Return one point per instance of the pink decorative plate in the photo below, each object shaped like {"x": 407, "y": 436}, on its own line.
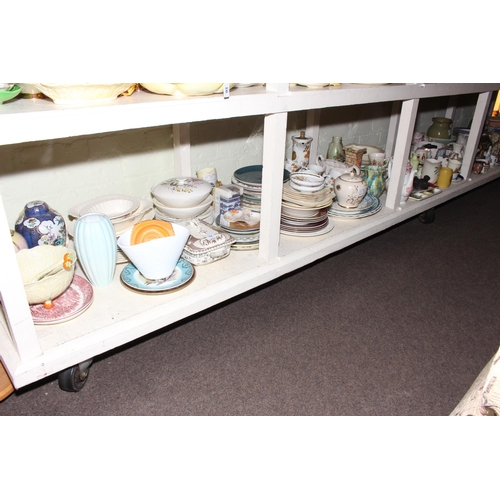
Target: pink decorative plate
{"x": 75, "y": 300}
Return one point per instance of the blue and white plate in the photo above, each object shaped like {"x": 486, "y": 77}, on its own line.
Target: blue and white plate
{"x": 182, "y": 275}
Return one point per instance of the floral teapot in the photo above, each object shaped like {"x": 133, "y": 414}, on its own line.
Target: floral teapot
{"x": 350, "y": 188}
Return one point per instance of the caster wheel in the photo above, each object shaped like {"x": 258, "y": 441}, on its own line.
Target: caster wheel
{"x": 427, "y": 217}
{"x": 74, "y": 378}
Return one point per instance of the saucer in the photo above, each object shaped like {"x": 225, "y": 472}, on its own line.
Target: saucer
{"x": 182, "y": 275}
{"x": 71, "y": 303}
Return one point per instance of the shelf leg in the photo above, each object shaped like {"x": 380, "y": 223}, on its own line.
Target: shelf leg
{"x": 476, "y": 129}
{"x": 13, "y": 297}
{"x": 401, "y": 152}
{"x": 272, "y": 184}
{"x": 182, "y": 150}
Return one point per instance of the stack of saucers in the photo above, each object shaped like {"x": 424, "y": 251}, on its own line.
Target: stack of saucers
{"x": 305, "y": 203}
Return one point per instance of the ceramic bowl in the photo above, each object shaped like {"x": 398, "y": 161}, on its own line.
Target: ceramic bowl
{"x": 181, "y": 192}
{"x": 113, "y": 206}
{"x": 198, "y": 88}
{"x": 37, "y": 259}
{"x": 307, "y": 178}
{"x": 9, "y": 92}
{"x": 161, "y": 88}
{"x": 82, "y": 93}
{"x": 184, "y": 213}
{"x": 155, "y": 259}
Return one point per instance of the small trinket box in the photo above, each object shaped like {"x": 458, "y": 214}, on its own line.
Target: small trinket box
{"x": 206, "y": 243}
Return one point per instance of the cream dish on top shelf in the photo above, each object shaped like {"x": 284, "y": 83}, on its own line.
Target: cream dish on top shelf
{"x": 82, "y": 93}
{"x": 186, "y": 89}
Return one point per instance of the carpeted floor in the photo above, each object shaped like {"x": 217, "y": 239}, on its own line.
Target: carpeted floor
{"x": 399, "y": 324}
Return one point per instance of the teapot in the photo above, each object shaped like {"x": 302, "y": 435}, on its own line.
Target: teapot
{"x": 350, "y": 188}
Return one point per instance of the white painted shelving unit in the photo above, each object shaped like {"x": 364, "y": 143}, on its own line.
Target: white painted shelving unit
{"x": 117, "y": 315}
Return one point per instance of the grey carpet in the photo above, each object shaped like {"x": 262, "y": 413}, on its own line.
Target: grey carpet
{"x": 399, "y": 324}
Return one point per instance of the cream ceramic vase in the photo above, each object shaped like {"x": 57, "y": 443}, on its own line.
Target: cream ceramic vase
{"x": 350, "y": 189}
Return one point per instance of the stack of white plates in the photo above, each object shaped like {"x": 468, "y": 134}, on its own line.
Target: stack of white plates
{"x": 123, "y": 211}
{"x": 305, "y": 213}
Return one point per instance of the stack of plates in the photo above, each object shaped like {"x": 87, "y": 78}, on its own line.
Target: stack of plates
{"x": 250, "y": 179}
{"x": 369, "y": 205}
{"x": 305, "y": 213}
{"x": 245, "y": 238}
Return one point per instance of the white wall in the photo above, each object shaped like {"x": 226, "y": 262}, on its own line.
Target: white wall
{"x": 67, "y": 172}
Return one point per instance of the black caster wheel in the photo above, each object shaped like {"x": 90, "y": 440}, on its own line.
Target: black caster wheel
{"x": 427, "y": 217}
{"x": 74, "y": 378}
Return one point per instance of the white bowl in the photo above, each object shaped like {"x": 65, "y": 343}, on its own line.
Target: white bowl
{"x": 113, "y": 206}
{"x": 82, "y": 93}
{"x": 184, "y": 213}
{"x": 181, "y": 192}
{"x": 307, "y": 178}
{"x": 155, "y": 259}
{"x": 34, "y": 260}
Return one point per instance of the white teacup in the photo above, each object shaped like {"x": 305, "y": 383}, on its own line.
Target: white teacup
{"x": 377, "y": 159}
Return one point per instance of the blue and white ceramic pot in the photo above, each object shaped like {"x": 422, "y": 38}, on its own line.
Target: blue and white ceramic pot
{"x": 41, "y": 225}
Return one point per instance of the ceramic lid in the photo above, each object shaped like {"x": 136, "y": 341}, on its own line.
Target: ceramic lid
{"x": 352, "y": 176}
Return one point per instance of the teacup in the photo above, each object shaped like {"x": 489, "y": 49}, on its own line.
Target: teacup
{"x": 377, "y": 159}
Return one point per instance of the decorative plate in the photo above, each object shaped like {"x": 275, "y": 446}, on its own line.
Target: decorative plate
{"x": 182, "y": 275}
{"x": 71, "y": 303}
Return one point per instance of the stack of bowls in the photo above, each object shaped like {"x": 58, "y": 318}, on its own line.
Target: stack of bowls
{"x": 183, "y": 198}
{"x": 123, "y": 211}
{"x": 307, "y": 181}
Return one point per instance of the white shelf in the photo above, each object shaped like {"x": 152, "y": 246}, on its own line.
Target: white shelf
{"x": 26, "y": 120}
{"x": 119, "y": 315}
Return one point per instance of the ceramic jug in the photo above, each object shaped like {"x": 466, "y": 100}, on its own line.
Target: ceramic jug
{"x": 376, "y": 178}
{"x": 350, "y": 189}
{"x": 301, "y": 150}
{"x": 407, "y": 183}
{"x": 431, "y": 168}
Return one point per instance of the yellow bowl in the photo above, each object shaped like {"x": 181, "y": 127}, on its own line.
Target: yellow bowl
{"x": 33, "y": 261}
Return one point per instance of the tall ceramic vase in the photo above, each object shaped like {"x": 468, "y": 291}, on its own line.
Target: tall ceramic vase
{"x": 96, "y": 247}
